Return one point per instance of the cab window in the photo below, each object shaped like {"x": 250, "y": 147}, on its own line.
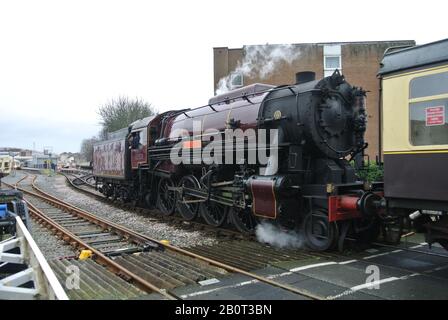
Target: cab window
{"x": 138, "y": 139}
{"x": 429, "y": 116}
{"x": 144, "y": 136}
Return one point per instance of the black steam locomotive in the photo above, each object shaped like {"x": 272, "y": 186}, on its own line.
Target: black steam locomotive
{"x": 199, "y": 162}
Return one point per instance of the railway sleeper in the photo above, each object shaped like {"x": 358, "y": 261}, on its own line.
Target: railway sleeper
{"x": 237, "y": 255}
{"x": 145, "y": 274}
{"x": 85, "y": 235}
{"x": 67, "y": 218}
{"x": 103, "y": 239}
{"x": 75, "y": 224}
{"x": 96, "y": 281}
{"x": 182, "y": 262}
{"x": 177, "y": 278}
{"x": 245, "y": 265}
{"x": 121, "y": 251}
{"x": 172, "y": 269}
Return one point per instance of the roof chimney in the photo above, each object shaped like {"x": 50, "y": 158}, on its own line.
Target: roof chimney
{"x": 305, "y": 76}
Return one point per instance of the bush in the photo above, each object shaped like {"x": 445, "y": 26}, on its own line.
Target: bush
{"x": 371, "y": 172}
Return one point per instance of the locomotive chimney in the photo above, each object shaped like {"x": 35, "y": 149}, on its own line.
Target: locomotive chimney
{"x": 305, "y": 76}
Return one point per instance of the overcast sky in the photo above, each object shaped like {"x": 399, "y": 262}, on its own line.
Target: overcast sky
{"x": 60, "y": 60}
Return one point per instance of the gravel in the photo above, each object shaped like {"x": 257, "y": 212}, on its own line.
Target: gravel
{"x": 50, "y": 246}
{"x": 56, "y": 185}
{"x": 12, "y": 178}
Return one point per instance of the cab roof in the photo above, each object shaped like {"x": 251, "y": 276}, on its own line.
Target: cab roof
{"x": 413, "y": 57}
{"x": 141, "y": 123}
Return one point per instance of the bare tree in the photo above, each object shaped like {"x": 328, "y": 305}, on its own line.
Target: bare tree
{"x": 116, "y": 114}
{"x": 119, "y": 113}
{"x": 87, "y": 148}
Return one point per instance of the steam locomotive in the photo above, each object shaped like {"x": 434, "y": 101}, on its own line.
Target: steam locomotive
{"x": 199, "y": 163}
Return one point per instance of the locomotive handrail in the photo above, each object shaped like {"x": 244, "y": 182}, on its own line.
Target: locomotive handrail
{"x": 245, "y": 97}
{"x": 211, "y": 107}
{"x": 289, "y": 87}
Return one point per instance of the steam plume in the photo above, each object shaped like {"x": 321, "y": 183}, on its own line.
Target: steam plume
{"x": 260, "y": 61}
{"x": 277, "y": 237}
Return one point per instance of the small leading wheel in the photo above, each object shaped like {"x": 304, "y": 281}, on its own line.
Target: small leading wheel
{"x": 188, "y": 206}
{"x": 166, "y": 198}
{"x": 320, "y": 234}
{"x": 215, "y": 214}
{"x": 243, "y": 220}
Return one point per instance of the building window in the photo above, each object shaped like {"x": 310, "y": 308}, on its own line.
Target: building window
{"x": 428, "y": 111}
{"x": 332, "y": 59}
{"x": 236, "y": 80}
{"x": 332, "y": 62}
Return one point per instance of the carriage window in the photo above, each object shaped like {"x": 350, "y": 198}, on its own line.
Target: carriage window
{"x": 431, "y": 85}
{"x": 429, "y": 124}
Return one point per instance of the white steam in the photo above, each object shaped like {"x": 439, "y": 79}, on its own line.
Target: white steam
{"x": 260, "y": 61}
{"x": 277, "y": 237}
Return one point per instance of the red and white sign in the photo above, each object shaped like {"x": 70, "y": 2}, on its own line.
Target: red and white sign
{"x": 435, "y": 116}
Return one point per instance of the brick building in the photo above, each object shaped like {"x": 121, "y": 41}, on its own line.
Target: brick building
{"x": 358, "y": 61}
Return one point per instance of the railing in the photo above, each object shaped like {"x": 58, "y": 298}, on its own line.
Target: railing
{"x": 41, "y": 282}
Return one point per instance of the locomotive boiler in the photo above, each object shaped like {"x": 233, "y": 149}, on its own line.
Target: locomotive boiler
{"x": 255, "y": 154}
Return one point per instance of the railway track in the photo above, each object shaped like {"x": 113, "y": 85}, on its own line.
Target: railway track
{"x": 247, "y": 255}
{"x": 236, "y": 252}
{"x": 151, "y": 265}
{"x": 218, "y": 232}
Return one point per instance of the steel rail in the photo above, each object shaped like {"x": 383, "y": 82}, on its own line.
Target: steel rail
{"x": 157, "y": 214}
{"x": 102, "y": 259}
{"x": 224, "y": 266}
{"x": 233, "y": 269}
{"x": 227, "y": 267}
{"x": 119, "y": 229}
{"x": 98, "y": 255}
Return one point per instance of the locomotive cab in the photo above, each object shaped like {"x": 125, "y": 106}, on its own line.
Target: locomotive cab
{"x": 138, "y": 142}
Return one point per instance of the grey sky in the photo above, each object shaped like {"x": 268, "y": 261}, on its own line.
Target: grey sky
{"x": 60, "y": 60}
